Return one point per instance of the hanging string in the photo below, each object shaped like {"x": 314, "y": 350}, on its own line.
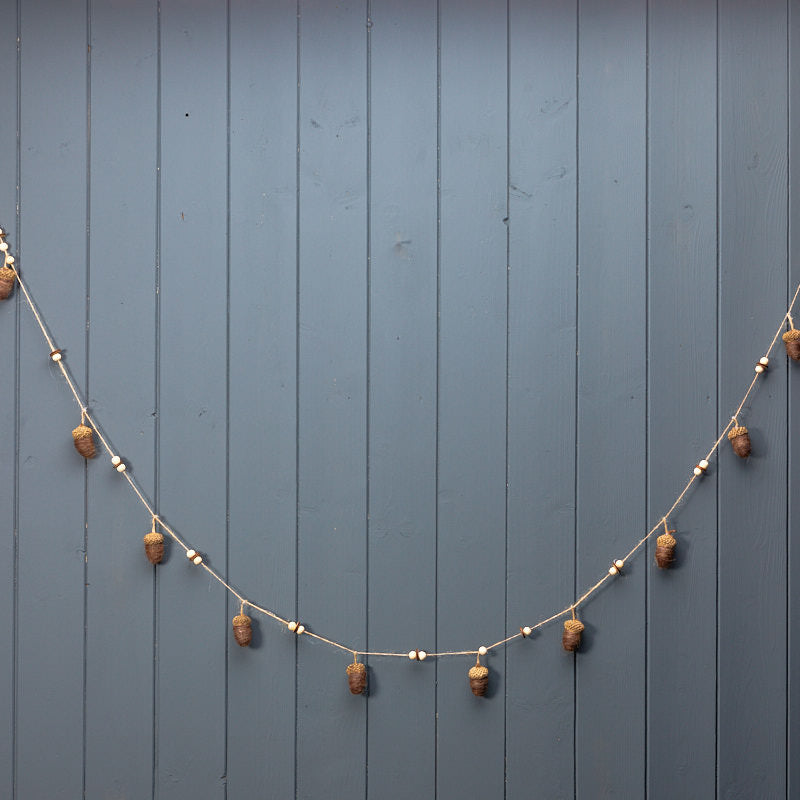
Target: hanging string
{"x": 570, "y": 609}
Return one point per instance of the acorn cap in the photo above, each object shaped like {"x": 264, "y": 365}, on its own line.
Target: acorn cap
{"x": 737, "y": 430}
{"x": 478, "y": 671}
{"x": 154, "y": 537}
{"x": 666, "y": 540}
{"x": 573, "y": 625}
{"x": 792, "y": 335}
{"x": 81, "y": 432}
{"x": 240, "y": 620}
{"x": 356, "y": 668}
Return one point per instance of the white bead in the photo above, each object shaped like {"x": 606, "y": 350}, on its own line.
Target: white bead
{"x": 412, "y": 654}
{"x": 612, "y": 570}
{"x": 190, "y": 554}
{"x": 759, "y": 368}
{"x": 703, "y": 464}
{"x": 619, "y": 563}
{"x": 764, "y": 361}
{"x": 115, "y": 460}
{"x": 527, "y": 631}
{"x": 121, "y": 468}
{"x": 292, "y": 626}
{"x": 422, "y": 655}
{"x": 56, "y": 356}
{"x": 10, "y": 260}
{"x": 197, "y": 561}
{"x": 1, "y": 231}
{"x": 300, "y": 629}
{"x": 697, "y": 471}
{"x": 3, "y": 246}
{"x": 482, "y": 651}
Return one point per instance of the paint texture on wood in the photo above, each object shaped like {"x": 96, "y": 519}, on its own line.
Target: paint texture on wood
{"x": 410, "y": 318}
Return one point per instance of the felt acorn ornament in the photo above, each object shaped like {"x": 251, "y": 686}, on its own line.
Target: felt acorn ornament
{"x": 571, "y": 638}
{"x": 7, "y": 278}
{"x": 665, "y": 548}
{"x": 83, "y": 439}
{"x": 478, "y": 678}
{"x": 357, "y": 677}
{"x": 740, "y": 440}
{"x": 791, "y": 340}
{"x": 154, "y": 546}
{"x": 242, "y": 629}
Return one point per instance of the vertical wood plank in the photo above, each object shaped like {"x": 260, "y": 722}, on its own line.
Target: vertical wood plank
{"x": 471, "y": 557}
{"x": 263, "y": 289}
{"x": 332, "y": 384}
{"x": 611, "y": 396}
{"x": 119, "y": 673}
{"x": 793, "y": 487}
{"x": 402, "y": 401}
{"x": 193, "y": 624}
{"x": 682, "y": 395}
{"x": 51, "y": 531}
{"x": 752, "y": 493}
{"x": 9, "y": 466}
{"x": 541, "y": 435}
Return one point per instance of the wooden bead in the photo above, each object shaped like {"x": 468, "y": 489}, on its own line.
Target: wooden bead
{"x": 242, "y": 630}
{"x": 82, "y": 438}
{"x": 154, "y": 547}
{"x": 357, "y": 678}
{"x": 478, "y": 679}
{"x": 740, "y": 441}
{"x": 571, "y": 637}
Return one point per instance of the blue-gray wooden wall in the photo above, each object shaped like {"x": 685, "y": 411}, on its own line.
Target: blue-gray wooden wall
{"x": 410, "y": 316}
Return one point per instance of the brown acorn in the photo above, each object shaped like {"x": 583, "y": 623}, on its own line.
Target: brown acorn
{"x": 154, "y": 547}
{"x": 665, "y": 550}
{"x": 242, "y": 630}
{"x": 7, "y": 279}
{"x": 571, "y": 638}
{"x": 478, "y": 679}
{"x": 83, "y": 441}
{"x": 740, "y": 440}
{"x": 792, "y": 341}
{"x": 357, "y": 677}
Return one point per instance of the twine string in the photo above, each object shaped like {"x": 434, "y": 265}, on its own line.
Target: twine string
{"x": 86, "y": 416}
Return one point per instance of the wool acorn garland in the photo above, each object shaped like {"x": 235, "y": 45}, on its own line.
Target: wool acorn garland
{"x": 791, "y": 340}
{"x": 7, "y": 274}
{"x": 665, "y": 548}
{"x": 740, "y": 440}
{"x": 7, "y": 279}
{"x": 478, "y": 678}
{"x": 571, "y": 637}
{"x": 357, "y": 677}
{"x": 83, "y": 439}
{"x": 154, "y": 545}
{"x": 242, "y": 629}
